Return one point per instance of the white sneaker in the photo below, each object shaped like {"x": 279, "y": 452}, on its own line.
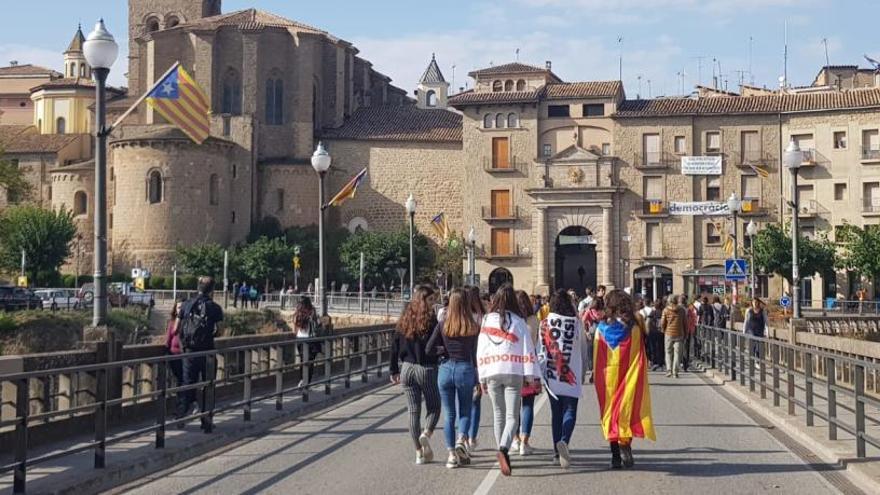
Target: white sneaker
{"x": 425, "y": 442}
{"x": 525, "y": 449}
{"x": 514, "y": 445}
{"x": 420, "y": 459}
{"x": 452, "y": 460}
{"x": 564, "y": 454}
{"x": 472, "y": 445}
{"x": 461, "y": 452}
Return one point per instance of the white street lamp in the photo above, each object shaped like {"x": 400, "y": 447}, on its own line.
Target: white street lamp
{"x": 752, "y": 231}
{"x": 792, "y": 159}
{"x": 734, "y": 204}
{"x": 321, "y": 162}
{"x": 100, "y": 50}
{"x": 411, "y": 209}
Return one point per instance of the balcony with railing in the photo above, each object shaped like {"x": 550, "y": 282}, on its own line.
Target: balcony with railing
{"x": 871, "y": 154}
{"x": 495, "y": 165}
{"x": 510, "y": 253}
{"x": 871, "y": 206}
{"x": 654, "y": 160}
{"x": 653, "y": 208}
{"x": 747, "y": 159}
{"x": 810, "y": 209}
{"x": 752, "y": 207}
{"x": 562, "y": 175}
{"x": 500, "y": 213}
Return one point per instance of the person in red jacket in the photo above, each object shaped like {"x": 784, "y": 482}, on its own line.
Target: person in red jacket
{"x": 172, "y": 343}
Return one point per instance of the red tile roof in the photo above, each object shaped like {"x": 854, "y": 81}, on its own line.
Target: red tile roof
{"x": 28, "y": 70}
{"x": 26, "y": 139}
{"x": 511, "y": 68}
{"x": 552, "y": 91}
{"x": 400, "y": 123}
{"x": 249, "y": 19}
{"x": 471, "y": 97}
{"x": 762, "y": 104}
{"x": 588, "y": 89}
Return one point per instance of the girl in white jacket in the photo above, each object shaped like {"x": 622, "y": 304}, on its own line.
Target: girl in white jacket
{"x": 505, "y": 360}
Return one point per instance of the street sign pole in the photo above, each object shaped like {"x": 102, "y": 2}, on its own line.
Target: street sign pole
{"x": 361, "y": 287}
{"x": 225, "y": 278}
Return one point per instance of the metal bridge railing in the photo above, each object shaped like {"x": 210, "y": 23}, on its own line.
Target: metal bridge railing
{"x": 839, "y": 390}
{"x": 277, "y": 365}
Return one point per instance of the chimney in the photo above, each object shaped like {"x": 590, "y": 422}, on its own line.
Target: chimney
{"x": 548, "y": 64}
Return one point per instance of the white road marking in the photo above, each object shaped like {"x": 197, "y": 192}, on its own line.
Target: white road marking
{"x": 492, "y": 476}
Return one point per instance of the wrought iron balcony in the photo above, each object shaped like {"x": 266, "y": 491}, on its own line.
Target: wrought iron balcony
{"x": 652, "y": 208}
{"x": 871, "y": 206}
{"x": 871, "y": 154}
{"x": 498, "y": 213}
{"x": 495, "y": 166}
{"x": 654, "y": 160}
{"x": 752, "y": 207}
{"x": 511, "y": 254}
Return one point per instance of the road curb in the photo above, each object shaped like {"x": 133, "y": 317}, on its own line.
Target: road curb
{"x": 113, "y": 478}
{"x": 855, "y": 471}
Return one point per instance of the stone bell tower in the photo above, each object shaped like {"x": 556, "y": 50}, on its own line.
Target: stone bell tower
{"x": 433, "y": 90}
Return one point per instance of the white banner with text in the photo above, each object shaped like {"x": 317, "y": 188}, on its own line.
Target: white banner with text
{"x": 706, "y": 208}
{"x": 701, "y": 165}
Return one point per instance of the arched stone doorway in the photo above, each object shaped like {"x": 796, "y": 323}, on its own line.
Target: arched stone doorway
{"x": 499, "y": 277}
{"x": 644, "y": 279}
{"x": 575, "y": 259}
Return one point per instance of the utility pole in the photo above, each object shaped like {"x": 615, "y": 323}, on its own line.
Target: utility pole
{"x": 620, "y": 59}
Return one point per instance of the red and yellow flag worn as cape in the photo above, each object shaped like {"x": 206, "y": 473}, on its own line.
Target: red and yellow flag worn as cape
{"x": 621, "y": 378}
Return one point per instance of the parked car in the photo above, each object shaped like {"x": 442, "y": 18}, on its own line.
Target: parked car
{"x": 119, "y": 295}
{"x": 58, "y": 299}
{"x": 16, "y": 298}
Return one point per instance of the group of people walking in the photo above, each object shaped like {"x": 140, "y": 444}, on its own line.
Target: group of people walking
{"x": 513, "y": 349}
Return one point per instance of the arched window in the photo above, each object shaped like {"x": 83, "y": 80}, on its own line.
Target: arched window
{"x": 82, "y": 70}
{"x": 80, "y": 203}
{"x": 214, "y": 190}
{"x": 487, "y": 121}
{"x": 521, "y": 85}
{"x": 72, "y": 71}
{"x": 60, "y": 125}
{"x": 171, "y": 21}
{"x": 152, "y": 24}
{"x": 499, "y": 121}
{"x": 231, "y": 93}
{"x": 508, "y": 85}
{"x": 154, "y": 187}
{"x": 512, "y": 120}
{"x": 497, "y": 86}
{"x": 431, "y": 98}
{"x": 274, "y": 101}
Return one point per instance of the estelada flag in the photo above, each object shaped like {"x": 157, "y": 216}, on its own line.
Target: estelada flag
{"x": 348, "y": 191}
{"x": 440, "y": 226}
{"x": 621, "y": 379}
{"x": 180, "y": 100}
{"x": 761, "y": 171}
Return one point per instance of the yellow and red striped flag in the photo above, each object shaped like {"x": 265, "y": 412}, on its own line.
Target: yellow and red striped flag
{"x": 348, "y": 191}
{"x": 621, "y": 379}
{"x": 761, "y": 171}
{"x": 440, "y": 226}
{"x": 180, "y": 100}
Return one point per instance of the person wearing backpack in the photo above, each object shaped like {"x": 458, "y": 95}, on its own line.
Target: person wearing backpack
{"x": 197, "y": 327}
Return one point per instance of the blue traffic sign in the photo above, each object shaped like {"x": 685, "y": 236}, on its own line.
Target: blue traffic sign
{"x": 785, "y": 301}
{"x": 735, "y": 269}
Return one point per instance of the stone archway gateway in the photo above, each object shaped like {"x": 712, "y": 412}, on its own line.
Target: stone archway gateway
{"x": 576, "y": 259}
{"x": 499, "y": 277}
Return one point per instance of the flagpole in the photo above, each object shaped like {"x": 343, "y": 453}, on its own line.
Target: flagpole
{"x": 142, "y": 98}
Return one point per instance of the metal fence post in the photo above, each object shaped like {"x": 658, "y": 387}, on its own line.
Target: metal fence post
{"x": 741, "y": 339}
{"x": 277, "y": 359}
{"x": 762, "y": 368}
{"x": 22, "y": 408}
{"x": 102, "y": 390}
{"x": 162, "y": 404}
{"x": 210, "y": 393}
{"x": 346, "y": 350}
{"x": 808, "y": 376}
{"x": 750, "y": 346}
{"x": 774, "y": 362}
{"x": 364, "y": 347}
{"x": 714, "y": 348}
{"x": 305, "y": 370}
{"x": 247, "y": 365}
{"x": 328, "y": 355}
{"x": 831, "y": 382}
{"x": 858, "y": 395}
{"x": 379, "y": 356}
{"x": 790, "y": 380}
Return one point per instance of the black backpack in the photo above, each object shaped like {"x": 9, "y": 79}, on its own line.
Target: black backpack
{"x": 195, "y": 333}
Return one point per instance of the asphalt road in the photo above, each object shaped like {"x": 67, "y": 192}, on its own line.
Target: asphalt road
{"x": 704, "y": 445}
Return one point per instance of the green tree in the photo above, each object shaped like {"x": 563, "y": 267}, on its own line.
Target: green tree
{"x": 44, "y": 235}
{"x": 265, "y": 259}
{"x": 13, "y": 181}
{"x": 448, "y": 260}
{"x": 772, "y": 248}
{"x": 384, "y": 253}
{"x": 201, "y": 259}
{"x": 860, "y": 251}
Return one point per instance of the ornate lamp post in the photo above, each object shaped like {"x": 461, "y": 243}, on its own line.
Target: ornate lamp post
{"x": 752, "y": 231}
{"x": 411, "y": 209}
{"x": 321, "y": 163}
{"x": 734, "y": 204}
{"x": 100, "y": 50}
{"x": 472, "y": 257}
{"x": 793, "y": 158}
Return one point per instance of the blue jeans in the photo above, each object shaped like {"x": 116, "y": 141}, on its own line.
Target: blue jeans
{"x": 527, "y": 418}
{"x": 456, "y": 380}
{"x": 475, "y": 415}
{"x": 564, "y": 415}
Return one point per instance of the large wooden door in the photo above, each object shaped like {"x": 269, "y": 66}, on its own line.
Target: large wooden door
{"x": 501, "y": 242}
{"x": 500, "y": 152}
{"x": 501, "y": 203}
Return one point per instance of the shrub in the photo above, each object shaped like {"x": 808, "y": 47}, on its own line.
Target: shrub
{"x": 68, "y": 281}
{"x": 188, "y": 282}
{"x": 157, "y": 282}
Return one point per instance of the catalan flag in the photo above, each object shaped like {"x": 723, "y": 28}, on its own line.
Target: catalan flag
{"x": 440, "y": 226}
{"x": 730, "y": 242}
{"x": 761, "y": 171}
{"x": 180, "y": 100}
{"x": 349, "y": 190}
{"x": 621, "y": 380}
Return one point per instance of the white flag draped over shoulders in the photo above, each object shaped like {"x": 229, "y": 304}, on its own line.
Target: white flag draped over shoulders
{"x": 505, "y": 349}
{"x": 562, "y": 351}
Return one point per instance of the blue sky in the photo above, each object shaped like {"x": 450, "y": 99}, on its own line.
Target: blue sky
{"x": 661, "y": 38}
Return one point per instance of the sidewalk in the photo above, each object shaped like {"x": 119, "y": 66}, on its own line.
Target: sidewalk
{"x": 137, "y": 457}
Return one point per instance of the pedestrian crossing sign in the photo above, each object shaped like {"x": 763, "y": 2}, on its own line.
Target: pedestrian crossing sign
{"x": 735, "y": 269}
